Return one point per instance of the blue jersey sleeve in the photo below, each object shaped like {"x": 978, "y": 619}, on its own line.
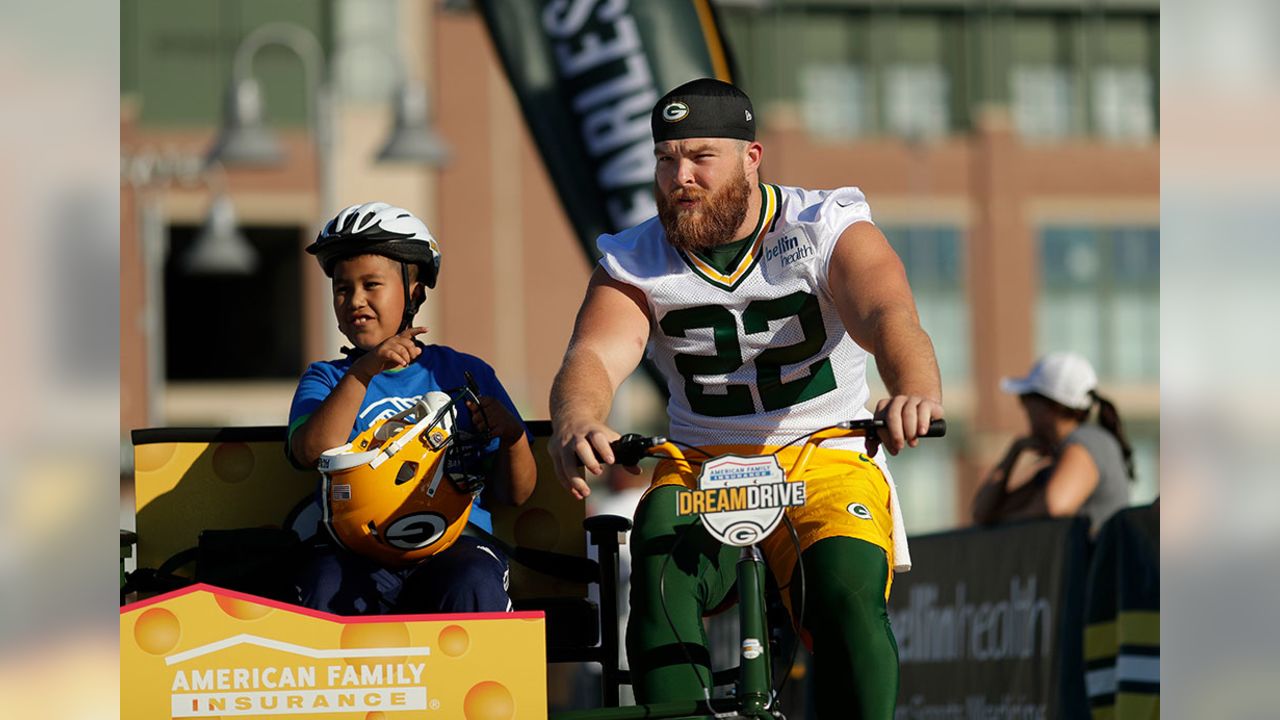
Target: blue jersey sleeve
{"x": 317, "y": 381}
{"x": 314, "y": 386}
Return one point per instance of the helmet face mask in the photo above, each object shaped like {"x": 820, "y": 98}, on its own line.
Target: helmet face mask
{"x": 390, "y": 494}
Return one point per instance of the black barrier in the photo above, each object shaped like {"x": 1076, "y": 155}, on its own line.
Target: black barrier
{"x": 989, "y": 623}
{"x": 1122, "y": 612}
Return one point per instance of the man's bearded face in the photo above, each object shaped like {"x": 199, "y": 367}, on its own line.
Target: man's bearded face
{"x": 700, "y": 219}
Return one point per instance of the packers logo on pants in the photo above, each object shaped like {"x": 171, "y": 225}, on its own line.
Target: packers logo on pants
{"x": 859, "y": 510}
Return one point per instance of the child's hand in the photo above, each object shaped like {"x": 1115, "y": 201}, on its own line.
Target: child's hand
{"x": 396, "y": 351}
{"x": 501, "y": 423}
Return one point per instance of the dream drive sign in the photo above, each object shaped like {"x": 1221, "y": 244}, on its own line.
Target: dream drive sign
{"x": 741, "y": 499}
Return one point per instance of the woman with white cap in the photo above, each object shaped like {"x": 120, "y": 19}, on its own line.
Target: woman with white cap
{"x": 1082, "y": 468}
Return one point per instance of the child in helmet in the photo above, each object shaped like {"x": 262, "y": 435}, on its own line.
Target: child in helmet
{"x": 382, "y": 260}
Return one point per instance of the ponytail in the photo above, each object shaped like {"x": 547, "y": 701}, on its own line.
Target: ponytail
{"x": 1109, "y": 418}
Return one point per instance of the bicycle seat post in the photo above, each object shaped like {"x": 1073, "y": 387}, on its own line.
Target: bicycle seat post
{"x": 754, "y": 670}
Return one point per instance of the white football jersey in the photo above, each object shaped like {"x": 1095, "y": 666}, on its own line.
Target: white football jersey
{"x": 757, "y": 355}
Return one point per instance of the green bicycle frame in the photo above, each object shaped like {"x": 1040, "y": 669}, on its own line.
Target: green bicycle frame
{"x": 753, "y": 696}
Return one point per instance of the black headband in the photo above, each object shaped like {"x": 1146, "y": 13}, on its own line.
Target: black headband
{"x": 705, "y": 107}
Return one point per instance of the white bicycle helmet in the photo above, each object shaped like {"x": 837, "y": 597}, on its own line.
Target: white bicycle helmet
{"x": 378, "y": 228}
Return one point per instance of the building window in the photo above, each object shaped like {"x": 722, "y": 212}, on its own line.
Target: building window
{"x": 835, "y": 100}
{"x": 846, "y": 72}
{"x": 915, "y": 80}
{"x": 1042, "y": 102}
{"x": 368, "y": 33}
{"x": 1123, "y": 106}
{"x": 809, "y": 67}
{"x": 1100, "y": 296}
{"x": 1044, "y": 87}
{"x": 177, "y": 56}
{"x": 1123, "y": 77}
{"x": 932, "y": 256}
{"x": 233, "y": 327}
{"x": 1144, "y": 437}
{"x": 917, "y": 100}
{"x": 926, "y": 479}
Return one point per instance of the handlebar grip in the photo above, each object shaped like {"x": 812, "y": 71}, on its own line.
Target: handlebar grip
{"x": 629, "y": 449}
{"x": 867, "y": 426}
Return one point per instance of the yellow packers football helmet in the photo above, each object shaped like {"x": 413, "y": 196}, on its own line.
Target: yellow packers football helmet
{"x": 388, "y": 494}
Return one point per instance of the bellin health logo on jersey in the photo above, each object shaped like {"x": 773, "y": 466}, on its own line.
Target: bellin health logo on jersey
{"x": 741, "y": 499}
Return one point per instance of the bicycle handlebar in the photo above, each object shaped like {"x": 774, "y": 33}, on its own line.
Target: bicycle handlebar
{"x": 937, "y": 428}
{"x": 631, "y": 448}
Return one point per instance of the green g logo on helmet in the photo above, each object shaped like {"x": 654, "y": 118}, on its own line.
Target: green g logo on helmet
{"x": 675, "y": 112}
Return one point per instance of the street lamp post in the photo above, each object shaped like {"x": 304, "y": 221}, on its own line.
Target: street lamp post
{"x": 245, "y": 140}
{"x": 219, "y": 248}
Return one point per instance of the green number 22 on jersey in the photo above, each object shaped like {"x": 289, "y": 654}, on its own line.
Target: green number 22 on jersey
{"x": 774, "y": 393}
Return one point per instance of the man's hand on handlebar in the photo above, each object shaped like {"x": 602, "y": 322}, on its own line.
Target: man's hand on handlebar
{"x": 906, "y": 419}
{"x": 578, "y": 448}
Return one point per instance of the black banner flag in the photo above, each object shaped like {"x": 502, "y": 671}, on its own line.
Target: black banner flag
{"x": 587, "y": 73}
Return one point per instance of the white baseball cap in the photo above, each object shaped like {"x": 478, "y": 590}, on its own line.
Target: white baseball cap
{"x": 1064, "y": 377}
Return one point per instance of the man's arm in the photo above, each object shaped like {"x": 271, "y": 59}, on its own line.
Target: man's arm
{"x": 608, "y": 343}
{"x": 871, "y": 292}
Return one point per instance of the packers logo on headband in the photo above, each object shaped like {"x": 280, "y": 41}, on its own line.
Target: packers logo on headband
{"x": 675, "y": 112}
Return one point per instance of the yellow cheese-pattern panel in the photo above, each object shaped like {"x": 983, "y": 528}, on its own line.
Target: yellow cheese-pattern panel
{"x": 184, "y": 487}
